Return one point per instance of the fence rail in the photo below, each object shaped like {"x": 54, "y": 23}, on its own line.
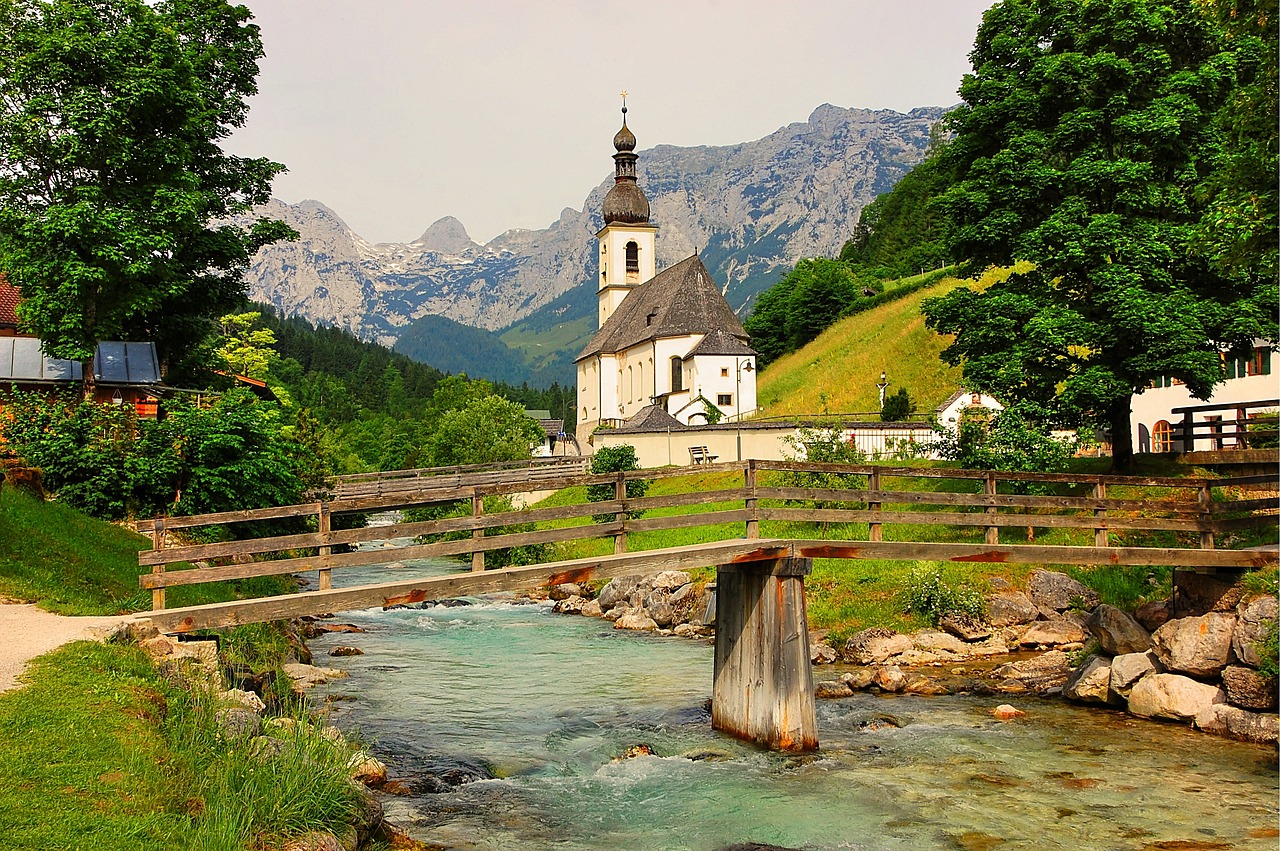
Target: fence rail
{"x": 963, "y": 499}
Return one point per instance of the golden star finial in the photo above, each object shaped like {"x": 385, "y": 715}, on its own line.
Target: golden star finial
{"x": 624, "y": 96}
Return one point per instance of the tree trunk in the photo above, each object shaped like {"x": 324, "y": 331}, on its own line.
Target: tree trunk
{"x": 1121, "y": 437}
{"x": 89, "y": 381}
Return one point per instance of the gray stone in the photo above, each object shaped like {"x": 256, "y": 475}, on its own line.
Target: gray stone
{"x": 821, "y": 653}
{"x": 670, "y": 580}
{"x": 1198, "y": 646}
{"x": 237, "y": 722}
{"x": 1005, "y": 608}
{"x": 1059, "y": 592}
{"x": 965, "y": 627}
{"x": 564, "y": 591}
{"x": 591, "y": 609}
{"x": 1236, "y": 723}
{"x": 859, "y": 679}
{"x": 939, "y": 641}
{"x": 247, "y": 699}
{"x": 1054, "y": 632}
{"x": 1117, "y": 632}
{"x": 832, "y": 689}
{"x": 1048, "y": 670}
{"x": 871, "y": 646}
{"x": 618, "y": 592}
{"x": 1246, "y": 689}
{"x": 1090, "y": 683}
{"x": 688, "y": 630}
{"x": 1255, "y": 615}
{"x": 635, "y": 619}
{"x": 1172, "y": 697}
{"x": 890, "y": 679}
{"x": 1126, "y": 670}
{"x": 314, "y": 840}
{"x": 569, "y": 605}
{"x": 658, "y": 604}
{"x": 1153, "y": 615}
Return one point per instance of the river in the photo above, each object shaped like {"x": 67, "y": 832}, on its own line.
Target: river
{"x": 544, "y": 702}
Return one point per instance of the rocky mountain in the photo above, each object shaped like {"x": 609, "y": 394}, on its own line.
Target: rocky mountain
{"x": 751, "y": 209}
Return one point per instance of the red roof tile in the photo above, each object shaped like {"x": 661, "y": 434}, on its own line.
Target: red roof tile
{"x": 8, "y": 301}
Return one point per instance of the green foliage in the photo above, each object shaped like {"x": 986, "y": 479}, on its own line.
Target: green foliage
{"x": 713, "y": 414}
{"x": 244, "y": 349}
{"x": 897, "y": 406}
{"x": 824, "y": 444}
{"x": 1008, "y": 440}
{"x": 800, "y": 307}
{"x": 928, "y": 594}
{"x": 1083, "y": 135}
{"x": 901, "y": 233}
{"x": 482, "y": 431}
{"x": 120, "y": 213}
{"x": 615, "y": 459}
{"x": 1268, "y": 648}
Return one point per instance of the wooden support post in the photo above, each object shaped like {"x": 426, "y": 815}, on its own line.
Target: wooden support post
{"x": 477, "y": 511}
{"x": 989, "y": 488}
{"x": 1206, "y": 515}
{"x": 875, "y": 532}
{"x": 751, "y": 504}
{"x": 1188, "y": 432}
{"x": 763, "y": 689}
{"x": 324, "y": 524}
{"x": 620, "y": 494}
{"x": 157, "y": 543}
{"x": 1100, "y": 536}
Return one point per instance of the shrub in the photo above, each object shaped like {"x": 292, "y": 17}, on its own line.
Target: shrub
{"x": 615, "y": 459}
{"x": 927, "y": 593}
{"x": 897, "y": 407}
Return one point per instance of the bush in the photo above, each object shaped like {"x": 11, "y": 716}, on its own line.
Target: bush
{"x": 823, "y": 445}
{"x": 897, "y": 407}
{"x": 928, "y": 594}
{"x": 615, "y": 459}
{"x": 1008, "y": 440}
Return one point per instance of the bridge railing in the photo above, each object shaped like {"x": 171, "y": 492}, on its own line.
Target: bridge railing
{"x": 882, "y": 497}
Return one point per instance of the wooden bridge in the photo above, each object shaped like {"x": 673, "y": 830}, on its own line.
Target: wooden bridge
{"x": 763, "y": 684}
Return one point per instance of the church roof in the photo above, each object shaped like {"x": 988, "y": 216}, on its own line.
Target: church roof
{"x": 650, "y": 418}
{"x": 721, "y": 342}
{"x": 680, "y": 300}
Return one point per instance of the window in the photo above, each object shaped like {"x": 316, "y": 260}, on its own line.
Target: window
{"x": 724, "y": 399}
{"x": 1260, "y": 363}
{"x": 631, "y": 385}
{"x": 724, "y": 372}
{"x": 677, "y": 375}
{"x": 633, "y": 257}
{"x": 1162, "y": 437}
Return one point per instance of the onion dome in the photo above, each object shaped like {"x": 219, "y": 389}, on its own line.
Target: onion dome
{"x": 626, "y": 202}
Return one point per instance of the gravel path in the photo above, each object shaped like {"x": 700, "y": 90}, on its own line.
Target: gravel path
{"x": 27, "y": 632}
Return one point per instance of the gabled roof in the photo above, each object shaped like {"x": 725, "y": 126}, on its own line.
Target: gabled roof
{"x": 681, "y": 299}
{"x": 950, "y": 399}
{"x": 651, "y": 418}
{"x": 8, "y": 302}
{"x": 720, "y": 342}
{"x": 114, "y": 363}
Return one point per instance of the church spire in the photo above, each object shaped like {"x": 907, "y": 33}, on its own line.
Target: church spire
{"x": 626, "y": 202}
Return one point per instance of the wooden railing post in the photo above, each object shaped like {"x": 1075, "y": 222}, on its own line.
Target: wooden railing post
{"x": 324, "y": 525}
{"x": 1206, "y": 516}
{"x": 875, "y": 532}
{"x": 1188, "y": 432}
{"x": 751, "y": 504}
{"x": 477, "y": 511}
{"x": 157, "y": 543}
{"x": 1100, "y": 536}
{"x": 989, "y": 488}
{"x": 620, "y": 494}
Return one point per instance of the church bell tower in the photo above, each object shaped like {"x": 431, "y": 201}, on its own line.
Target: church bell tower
{"x": 627, "y": 238}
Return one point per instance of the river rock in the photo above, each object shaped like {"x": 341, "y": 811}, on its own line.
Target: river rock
{"x": 658, "y": 604}
{"x": 1117, "y": 632}
{"x": 689, "y": 630}
{"x": 1254, "y": 616}
{"x": 991, "y": 647}
{"x": 964, "y": 626}
{"x": 1172, "y": 697}
{"x": 1090, "y": 683}
{"x": 939, "y": 641}
{"x": 635, "y": 619}
{"x": 1246, "y": 689}
{"x": 1153, "y": 614}
{"x": 1225, "y": 720}
{"x": 366, "y": 769}
{"x": 875, "y": 645}
{"x": 618, "y": 592}
{"x": 345, "y": 651}
{"x": 591, "y": 609}
{"x": 670, "y": 580}
{"x": 1126, "y": 670}
{"x": 247, "y": 699}
{"x": 634, "y": 751}
{"x": 920, "y": 684}
{"x": 890, "y": 678}
{"x": 832, "y": 689}
{"x": 821, "y": 653}
{"x": 1197, "y": 646}
{"x": 306, "y": 676}
{"x": 237, "y": 722}
{"x": 571, "y": 605}
{"x": 1053, "y": 632}
{"x": 859, "y": 679}
{"x": 1048, "y": 670}
{"x": 564, "y": 591}
{"x": 1059, "y": 592}
{"x": 313, "y": 840}
{"x": 1005, "y": 712}
{"x": 1006, "y": 608}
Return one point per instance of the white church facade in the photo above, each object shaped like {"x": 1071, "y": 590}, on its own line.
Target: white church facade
{"x": 667, "y": 341}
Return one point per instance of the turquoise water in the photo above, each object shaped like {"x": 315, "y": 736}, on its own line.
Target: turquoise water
{"x": 544, "y": 702}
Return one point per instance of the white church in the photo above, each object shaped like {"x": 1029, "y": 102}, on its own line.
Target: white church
{"x": 669, "y": 348}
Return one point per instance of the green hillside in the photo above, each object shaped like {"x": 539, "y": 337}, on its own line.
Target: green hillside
{"x": 846, "y": 360}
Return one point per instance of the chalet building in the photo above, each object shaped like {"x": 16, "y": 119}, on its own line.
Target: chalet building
{"x": 666, "y": 339}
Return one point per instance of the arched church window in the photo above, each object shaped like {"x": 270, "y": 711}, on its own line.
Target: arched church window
{"x": 1162, "y": 437}
{"x": 633, "y": 257}
{"x": 677, "y": 375}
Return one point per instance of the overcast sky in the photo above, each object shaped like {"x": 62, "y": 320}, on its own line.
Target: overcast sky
{"x": 396, "y": 113}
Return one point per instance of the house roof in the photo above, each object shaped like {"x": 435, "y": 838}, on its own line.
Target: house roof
{"x": 951, "y": 399}
{"x": 8, "y": 303}
{"x": 650, "y": 418}
{"x": 681, "y": 299}
{"x": 21, "y": 359}
{"x": 720, "y": 342}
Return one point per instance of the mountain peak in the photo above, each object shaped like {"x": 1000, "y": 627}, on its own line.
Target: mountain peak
{"x": 446, "y": 236}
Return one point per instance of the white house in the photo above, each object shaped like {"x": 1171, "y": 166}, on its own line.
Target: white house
{"x": 950, "y": 411}
{"x": 1252, "y": 386}
{"x": 667, "y": 339}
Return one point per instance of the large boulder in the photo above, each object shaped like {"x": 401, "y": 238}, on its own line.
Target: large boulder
{"x": 1090, "y": 683}
{"x": 1006, "y": 608}
{"x": 670, "y": 580}
{"x": 571, "y": 605}
{"x": 1117, "y": 632}
{"x": 1039, "y": 674}
{"x": 1059, "y": 592}
{"x": 965, "y": 627}
{"x": 1172, "y": 697}
{"x": 1197, "y": 646}
{"x": 890, "y": 679}
{"x": 1226, "y": 720}
{"x": 1153, "y": 614}
{"x": 1053, "y": 632}
{"x": 237, "y": 722}
{"x": 1255, "y": 616}
{"x": 832, "y": 689}
{"x": 932, "y": 640}
{"x": 1126, "y": 670}
{"x": 635, "y": 619}
{"x": 1246, "y": 689}
{"x": 659, "y": 606}
{"x": 875, "y": 645}
{"x": 822, "y": 653}
{"x": 618, "y": 592}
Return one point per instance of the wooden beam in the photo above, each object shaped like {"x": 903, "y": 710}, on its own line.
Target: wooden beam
{"x": 1031, "y": 554}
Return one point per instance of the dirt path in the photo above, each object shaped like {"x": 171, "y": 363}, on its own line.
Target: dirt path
{"x": 27, "y": 632}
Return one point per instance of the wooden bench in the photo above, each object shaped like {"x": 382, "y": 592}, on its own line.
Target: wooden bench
{"x": 701, "y": 455}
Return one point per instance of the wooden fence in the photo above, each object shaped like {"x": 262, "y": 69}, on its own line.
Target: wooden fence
{"x": 769, "y": 491}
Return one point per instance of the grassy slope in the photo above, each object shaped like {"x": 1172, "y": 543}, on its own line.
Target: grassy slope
{"x": 846, "y": 360}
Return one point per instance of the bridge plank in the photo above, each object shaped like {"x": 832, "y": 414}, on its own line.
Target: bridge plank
{"x": 942, "y": 518}
{"x": 1031, "y": 554}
